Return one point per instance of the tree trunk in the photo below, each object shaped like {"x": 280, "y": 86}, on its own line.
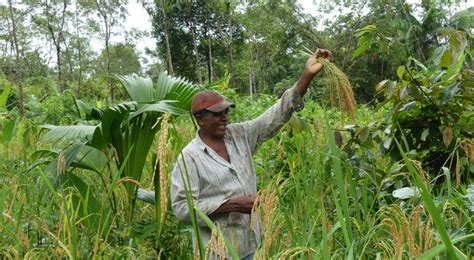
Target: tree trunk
{"x": 250, "y": 83}
{"x": 107, "y": 51}
{"x": 227, "y": 43}
{"x": 209, "y": 57}
{"x": 27, "y": 62}
{"x": 167, "y": 43}
{"x": 79, "y": 54}
{"x": 17, "y": 60}
{"x": 195, "y": 44}
{"x": 57, "y": 40}
{"x": 228, "y": 46}
{"x": 105, "y": 17}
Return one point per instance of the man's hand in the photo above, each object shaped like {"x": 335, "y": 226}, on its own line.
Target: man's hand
{"x": 312, "y": 67}
{"x": 242, "y": 204}
{"x": 245, "y": 203}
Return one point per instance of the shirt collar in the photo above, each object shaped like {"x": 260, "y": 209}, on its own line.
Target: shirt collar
{"x": 200, "y": 143}
{"x": 203, "y": 146}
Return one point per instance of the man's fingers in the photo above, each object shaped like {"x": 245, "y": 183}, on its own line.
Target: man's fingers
{"x": 317, "y": 53}
{"x": 326, "y": 54}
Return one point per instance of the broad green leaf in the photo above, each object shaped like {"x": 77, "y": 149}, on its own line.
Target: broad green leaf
{"x": 458, "y": 41}
{"x": 381, "y": 85}
{"x": 360, "y": 50}
{"x": 365, "y": 37}
{"x": 4, "y": 96}
{"x": 365, "y": 41}
{"x": 403, "y": 93}
{"x": 43, "y": 154}
{"x": 419, "y": 64}
{"x": 369, "y": 27}
{"x": 407, "y": 106}
{"x": 98, "y": 141}
{"x": 425, "y": 134}
{"x": 112, "y": 120}
{"x": 139, "y": 89}
{"x": 172, "y": 88}
{"x": 363, "y": 134}
{"x": 164, "y": 84}
{"x": 61, "y": 163}
{"x": 454, "y": 71}
{"x": 446, "y": 59}
{"x": 9, "y": 129}
{"x": 182, "y": 94}
{"x": 90, "y": 158}
{"x": 387, "y": 142}
{"x": 71, "y": 133}
{"x": 83, "y": 108}
{"x": 401, "y": 72}
{"x": 89, "y": 112}
{"x": 437, "y": 55}
{"x": 162, "y": 107}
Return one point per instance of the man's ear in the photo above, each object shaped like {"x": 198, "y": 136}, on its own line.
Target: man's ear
{"x": 198, "y": 119}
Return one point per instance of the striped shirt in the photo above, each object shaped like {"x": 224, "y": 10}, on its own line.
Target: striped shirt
{"x": 214, "y": 181}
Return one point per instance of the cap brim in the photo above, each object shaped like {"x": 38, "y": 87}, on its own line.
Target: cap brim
{"x": 221, "y": 106}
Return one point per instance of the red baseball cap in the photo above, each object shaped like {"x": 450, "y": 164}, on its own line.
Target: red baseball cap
{"x": 209, "y": 100}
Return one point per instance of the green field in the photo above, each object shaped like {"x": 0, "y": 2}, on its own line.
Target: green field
{"x": 83, "y": 127}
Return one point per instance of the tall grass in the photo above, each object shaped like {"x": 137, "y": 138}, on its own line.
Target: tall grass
{"x": 331, "y": 204}
{"x": 431, "y": 207}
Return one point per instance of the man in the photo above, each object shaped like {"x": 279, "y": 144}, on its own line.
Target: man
{"x": 218, "y": 162}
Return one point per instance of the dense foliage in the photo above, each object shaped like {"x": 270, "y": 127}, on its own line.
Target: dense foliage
{"x": 78, "y": 126}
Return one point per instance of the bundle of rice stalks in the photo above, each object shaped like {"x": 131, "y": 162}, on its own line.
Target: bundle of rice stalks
{"x": 411, "y": 233}
{"x": 338, "y": 82}
{"x": 265, "y": 213}
{"x": 298, "y": 253}
{"x": 162, "y": 151}
{"x": 215, "y": 248}
{"x": 468, "y": 147}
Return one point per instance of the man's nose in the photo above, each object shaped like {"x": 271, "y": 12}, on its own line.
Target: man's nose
{"x": 224, "y": 117}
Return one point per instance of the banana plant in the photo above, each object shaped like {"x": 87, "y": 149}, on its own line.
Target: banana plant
{"x": 126, "y": 130}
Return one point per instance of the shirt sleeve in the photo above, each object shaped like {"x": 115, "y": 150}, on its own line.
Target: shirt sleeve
{"x": 269, "y": 123}
{"x": 185, "y": 171}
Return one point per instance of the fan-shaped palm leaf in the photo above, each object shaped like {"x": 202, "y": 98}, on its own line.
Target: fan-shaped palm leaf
{"x": 139, "y": 89}
{"x": 70, "y": 133}
{"x": 183, "y": 94}
{"x": 172, "y": 88}
{"x": 162, "y": 107}
{"x": 164, "y": 84}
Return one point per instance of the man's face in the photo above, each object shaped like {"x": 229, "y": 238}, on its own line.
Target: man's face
{"x": 213, "y": 124}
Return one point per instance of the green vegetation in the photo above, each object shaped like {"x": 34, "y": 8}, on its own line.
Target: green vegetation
{"x": 79, "y": 134}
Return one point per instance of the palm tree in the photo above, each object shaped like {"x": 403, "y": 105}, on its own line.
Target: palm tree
{"x": 126, "y": 131}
